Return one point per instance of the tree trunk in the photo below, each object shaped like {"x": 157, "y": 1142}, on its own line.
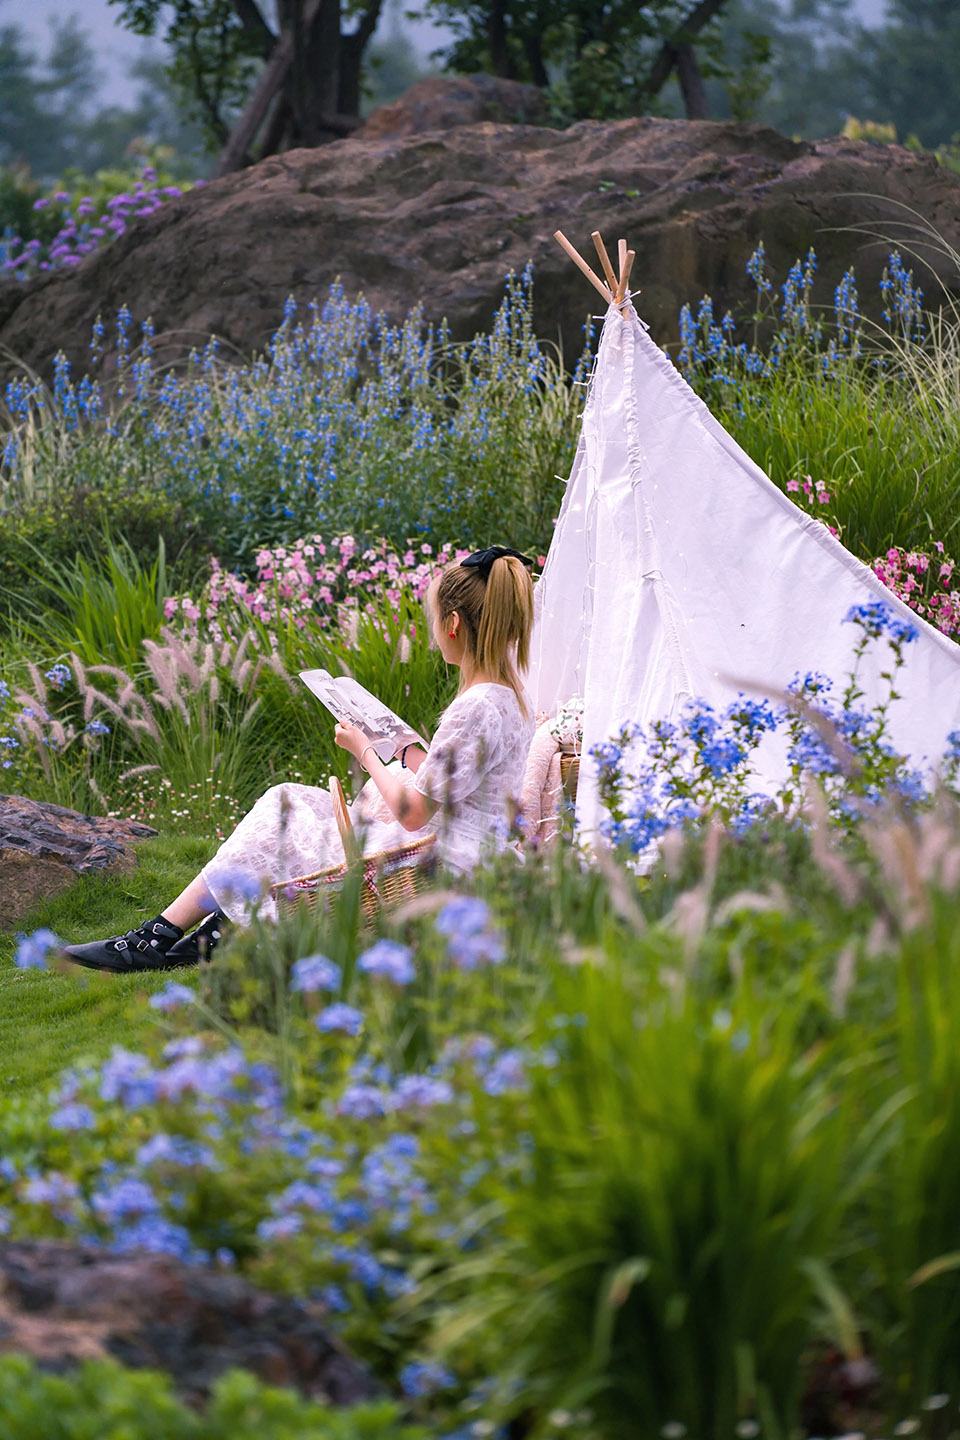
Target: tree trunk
{"x": 682, "y": 36}
{"x": 352, "y": 50}
{"x": 691, "y": 84}
{"x": 500, "y": 62}
{"x": 319, "y": 76}
{"x": 533, "y": 51}
{"x": 310, "y": 86}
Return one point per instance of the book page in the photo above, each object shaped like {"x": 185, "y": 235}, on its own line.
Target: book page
{"x": 347, "y": 699}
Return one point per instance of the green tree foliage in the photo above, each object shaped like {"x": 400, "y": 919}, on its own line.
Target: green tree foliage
{"x": 51, "y": 124}
{"x": 213, "y": 56}
{"x": 909, "y": 69}
{"x": 301, "y": 73}
{"x": 597, "y": 59}
{"x": 41, "y": 101}
{"x": 824, "y": 66}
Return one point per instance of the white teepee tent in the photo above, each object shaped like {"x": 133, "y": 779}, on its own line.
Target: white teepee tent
{"x": 679, "y": 571}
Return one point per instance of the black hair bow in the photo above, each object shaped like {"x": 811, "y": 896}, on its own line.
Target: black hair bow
{"x": 483, "y": 559}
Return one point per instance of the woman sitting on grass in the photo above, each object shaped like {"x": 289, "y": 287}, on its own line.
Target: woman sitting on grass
{"x": 481, "y": 613}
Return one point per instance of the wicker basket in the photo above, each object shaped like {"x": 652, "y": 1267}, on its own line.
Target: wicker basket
{"x": 569, "y": 774}
{"x": 389, "y": 876}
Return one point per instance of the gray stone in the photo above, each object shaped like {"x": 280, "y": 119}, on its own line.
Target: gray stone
{"x": 44, "y": 847}
{"x": 62, "y": 1303}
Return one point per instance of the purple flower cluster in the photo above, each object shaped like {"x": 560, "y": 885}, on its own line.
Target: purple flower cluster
{"x": 84, "y": 228}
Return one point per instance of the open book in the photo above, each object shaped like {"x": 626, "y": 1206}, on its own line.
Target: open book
{"x": 350, "y": 703}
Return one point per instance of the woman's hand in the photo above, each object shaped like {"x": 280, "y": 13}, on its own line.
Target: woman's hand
{"x": 351, "y": 738}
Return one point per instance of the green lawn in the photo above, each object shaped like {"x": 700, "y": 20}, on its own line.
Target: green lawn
{"x": 49, "y": 1019}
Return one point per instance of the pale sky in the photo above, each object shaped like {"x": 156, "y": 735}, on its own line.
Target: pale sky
{"x": 118, "y": 48}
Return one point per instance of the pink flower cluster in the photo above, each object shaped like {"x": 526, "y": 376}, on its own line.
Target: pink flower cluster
{"x": 312, "y": 579}
{"x": 810, "y": 494}
{"x": 923, "y": 581}
{"x": 815, "y": 491}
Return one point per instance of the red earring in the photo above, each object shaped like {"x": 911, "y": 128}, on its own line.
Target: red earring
{"x": 453, "y": 634}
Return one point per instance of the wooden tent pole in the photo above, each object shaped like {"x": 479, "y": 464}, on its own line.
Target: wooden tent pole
{"x": 624, "y": 277}
{"x": 597, "y": 239}
{"x": 579, "y": 261}
{"x": 622, "y": 253}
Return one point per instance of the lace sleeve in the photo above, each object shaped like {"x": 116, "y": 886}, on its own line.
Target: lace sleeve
{"x": 467, "y": 744}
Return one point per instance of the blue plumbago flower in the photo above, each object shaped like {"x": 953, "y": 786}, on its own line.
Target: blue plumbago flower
{"x": 315, "y": 972}
{"x": 238, "y": 883}
{"x": 72, "y": 1116}
{"x": 469, "y": 952}
{"x": 8, "y": 1170}
{"x": 129, "y": 1078}
{"x": 97, "y": 727}
{"x": 128, "y": 1197}
{"x": 701, "y": 725}
{"x": 813, "y": 683}
{"x": 466, "y": 915}
{"x": 172, "y": 997}
{"x": 363, "y": 1102}
{"x": 751, "y": 718}
{"x": 32, "y": 950}
{"x": 722, "y": 755}
{"x": 465, "y": 921}
{"x": 53, "y": 1190}
{"x": 340, "y": 1017}
{"x": 59, "y": 675}
{"x": 420, "y": 1092}
{"x": 280, "y": 1227}
{"x": 334, "y": 1299}
{"x": 392, "y": 961}
{"x": 507, "y": 1072}
{"x": 174, "y": 1150}
{"x": 185, "y": 1045}
{"x": 877, "y": 618}
{"x": 4, "y": 692}
{"x": 159, "y": 1236}
{"x": 813, "y": 755}
{"x": 425, "y": 1377}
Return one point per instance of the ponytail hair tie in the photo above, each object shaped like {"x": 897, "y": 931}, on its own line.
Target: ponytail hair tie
{"x": 483, "y": 560}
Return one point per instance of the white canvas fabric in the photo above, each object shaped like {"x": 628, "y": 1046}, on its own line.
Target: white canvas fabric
{"x": 679, "y": 571}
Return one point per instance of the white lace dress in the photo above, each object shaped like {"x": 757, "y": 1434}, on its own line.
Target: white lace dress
{"x": 474, "y": 767}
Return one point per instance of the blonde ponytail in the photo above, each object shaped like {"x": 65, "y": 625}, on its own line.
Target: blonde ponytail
{"x": 497, "y": 617}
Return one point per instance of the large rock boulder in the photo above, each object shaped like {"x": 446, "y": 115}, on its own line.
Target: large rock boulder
{"x": 63, "y": 1303}
{"x": 440, "y": 102}
{"x": 43, "y": 848}
{"x": 440, "y": 217}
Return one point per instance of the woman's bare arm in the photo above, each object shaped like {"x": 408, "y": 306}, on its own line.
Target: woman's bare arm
{"x": 412, "y": 809}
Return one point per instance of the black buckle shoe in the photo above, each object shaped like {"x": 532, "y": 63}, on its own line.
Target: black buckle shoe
{"x": 200, "y": 943}
{"x": 145, "y": 949}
